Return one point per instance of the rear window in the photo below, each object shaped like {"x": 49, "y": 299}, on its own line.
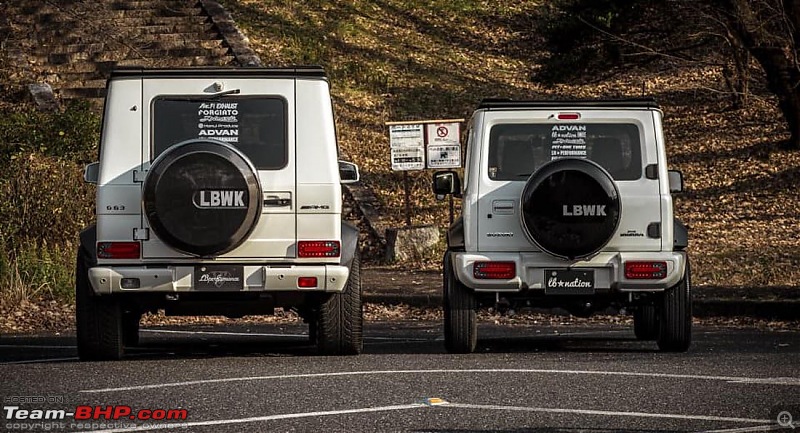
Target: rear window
{"x": 255, "y": 125}
{"x": 517, "y": 150}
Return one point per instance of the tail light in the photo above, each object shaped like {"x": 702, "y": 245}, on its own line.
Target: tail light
{"x": 307, "y": 282}
{"x": 118, "y": 250}
{"x": 494, "y": 270}
{"x": 645, "y": 270}
{"x": 318, "y": 249}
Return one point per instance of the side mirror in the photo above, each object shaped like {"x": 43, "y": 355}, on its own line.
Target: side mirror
{"x": 91, "y": 172}
{"x": 446, "y": 182}
{"x": 348, "y": 172}
{"x": 675, "y": 181}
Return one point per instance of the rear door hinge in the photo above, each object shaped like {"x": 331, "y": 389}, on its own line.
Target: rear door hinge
{"x": 139, "y": 175}
{"x": 141, "y": 234}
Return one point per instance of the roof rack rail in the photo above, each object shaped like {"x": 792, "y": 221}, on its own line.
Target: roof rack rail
{"x": 502, "y": 103}
{"x": 214, "y": 71}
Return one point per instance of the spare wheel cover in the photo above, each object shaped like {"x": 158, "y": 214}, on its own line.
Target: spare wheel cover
{"x": 202, "y": 197}
{"x": 570, "y": 208}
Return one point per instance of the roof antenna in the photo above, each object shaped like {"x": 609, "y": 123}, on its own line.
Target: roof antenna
{"x": 644, "y": 88}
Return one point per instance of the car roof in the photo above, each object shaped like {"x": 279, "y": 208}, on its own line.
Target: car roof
{"x": 502, "y": 104}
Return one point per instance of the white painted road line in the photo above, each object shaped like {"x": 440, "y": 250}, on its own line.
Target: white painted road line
{"x": 34, "y": 361}
{"x": 767, "y": 427}
{"x": 607, "y": 413}
{"x": 34, "y": 346}
{"x": 441, "y": 404}
{"x": 261, "y": 418}
{"x": 730, "y": 379}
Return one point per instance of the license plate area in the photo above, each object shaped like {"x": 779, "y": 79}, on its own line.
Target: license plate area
{"x": 568, "y": 282}
{"x": 218, "y": 278}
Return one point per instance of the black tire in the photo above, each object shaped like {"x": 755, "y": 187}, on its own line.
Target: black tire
{"x": 130, "y": 328}
{"x": 460, "y": 316}
{"x": 645, "y": 323}
{"x": 675, "y": 321}
{"x": 340, "y": 318}
{"x": 98, "y": 319}
{"x": 312, "y": 330}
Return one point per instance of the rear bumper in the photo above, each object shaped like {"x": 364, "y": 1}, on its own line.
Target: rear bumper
{"x": 609, "y": 272}
{"x": 168, "y": 279}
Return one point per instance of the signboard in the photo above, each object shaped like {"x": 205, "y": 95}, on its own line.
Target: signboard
{"x": 409, "y": 140}
{"x": 448, "y": 156}
{"x": 410, "y": 158}
{"x": 443, "y": 133}
{"x": 444, "y": 145}
{"x": 405, "y": 136}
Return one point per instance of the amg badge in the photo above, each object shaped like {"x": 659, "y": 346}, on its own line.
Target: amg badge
{"x": 216, "y": 199}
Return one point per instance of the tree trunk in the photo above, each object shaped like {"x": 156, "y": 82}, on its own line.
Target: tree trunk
{"x": 775, "y": 52}
{"x": 783, "y": 79}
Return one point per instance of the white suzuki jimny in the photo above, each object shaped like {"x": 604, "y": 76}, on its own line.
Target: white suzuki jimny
{"x": 567, "y": 204}
{"x": 218, "y": 193}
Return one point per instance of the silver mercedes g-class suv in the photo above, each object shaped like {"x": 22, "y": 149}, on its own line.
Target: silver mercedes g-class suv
{"x": 567, "y": 204}
{"x": 218, "y": 193}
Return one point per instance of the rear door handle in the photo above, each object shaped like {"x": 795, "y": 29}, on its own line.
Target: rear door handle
{"x": 277, "y": 202}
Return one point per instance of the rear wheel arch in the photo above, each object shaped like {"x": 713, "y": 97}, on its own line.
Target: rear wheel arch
{"x": 88, "y": 244}
{"x": 349, "y": 243}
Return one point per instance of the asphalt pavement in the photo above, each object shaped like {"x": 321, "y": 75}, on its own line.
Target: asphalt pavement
{"x": 265, "y": 377}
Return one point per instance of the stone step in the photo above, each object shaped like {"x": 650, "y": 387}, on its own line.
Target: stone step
{"x": 128, "y": 53}
{"x": 69, "y": 35}
{"x": 57, "y": 20}
{"x": 158, "y": 11}
{"x": 148, "y": 43}
{"x": 188, "y": 36}
{"x": 178, "y": 61}
{"x": 73, "y": 38}
{"x": 82, "y": 67}
{"x": 150, "y": 4}
{"x": 178, "y": 27}
{"x": 133, "y": 21}
{"x": 79, "y": 77}
{"x": 88, "y": 84}
{"x": 82, "y": 93}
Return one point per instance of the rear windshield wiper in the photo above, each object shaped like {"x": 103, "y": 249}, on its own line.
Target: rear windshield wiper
{"x": 204, "y": 98}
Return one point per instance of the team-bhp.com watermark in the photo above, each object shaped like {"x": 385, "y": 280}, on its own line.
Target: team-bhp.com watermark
{"x": 83, "y": 417}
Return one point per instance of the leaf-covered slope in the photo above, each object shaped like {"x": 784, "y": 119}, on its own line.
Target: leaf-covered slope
{"x": 404, "y": 60}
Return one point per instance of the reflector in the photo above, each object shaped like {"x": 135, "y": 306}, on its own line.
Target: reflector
{"x": 494, "y": 270}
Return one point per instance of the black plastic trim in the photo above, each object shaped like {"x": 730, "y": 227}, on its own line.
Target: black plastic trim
{"x": 567, "y": 103}
{"x": 654, "y": 230}
{"x": 651, "y": 171}
{"x": 680, "y": 234}
{"x": 88, "y": 240}
{"x": 349, "y": 243}
{"x": 311, "y": 71}
{"x": 455, "y": 235}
